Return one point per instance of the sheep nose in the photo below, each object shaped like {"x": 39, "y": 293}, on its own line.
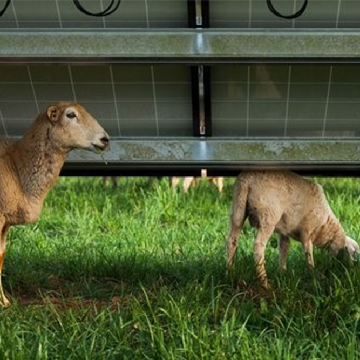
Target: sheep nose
{"x": 105, "y": 140}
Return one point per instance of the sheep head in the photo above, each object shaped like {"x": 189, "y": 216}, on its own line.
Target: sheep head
{"x": 74, "y": 128}
{"x": 352, "y": 248}
{"x": 349, "y": 250}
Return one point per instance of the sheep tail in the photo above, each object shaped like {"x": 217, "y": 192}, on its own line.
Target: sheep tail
{"x": 238, "y": 212}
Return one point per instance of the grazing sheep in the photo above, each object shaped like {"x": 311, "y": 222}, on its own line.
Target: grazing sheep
{"x": 30, "y": 166}
{"x": 285, "y": 203}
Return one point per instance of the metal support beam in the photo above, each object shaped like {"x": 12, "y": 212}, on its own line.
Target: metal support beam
{"x": 189, "y": 156}
{"x": 201, "y": 100}
{"x": 200, "y": 75}
{"x": 198, "y": 46}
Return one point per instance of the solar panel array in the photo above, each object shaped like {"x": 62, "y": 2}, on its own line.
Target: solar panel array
{"x": 284, "y": 100}
{"x": 57, "y": 14}
{"x": 143, "y": 100}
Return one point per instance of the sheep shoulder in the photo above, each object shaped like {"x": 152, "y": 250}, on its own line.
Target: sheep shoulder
{"x": 15, "y": 206}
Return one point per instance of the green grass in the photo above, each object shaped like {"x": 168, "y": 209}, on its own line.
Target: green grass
{"x": 139, "y": 273}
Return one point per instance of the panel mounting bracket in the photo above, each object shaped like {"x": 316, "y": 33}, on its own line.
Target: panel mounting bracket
{"x": 198, "y": 11}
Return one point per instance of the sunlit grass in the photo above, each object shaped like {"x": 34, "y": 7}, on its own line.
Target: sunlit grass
{"x": 139, "y": 272}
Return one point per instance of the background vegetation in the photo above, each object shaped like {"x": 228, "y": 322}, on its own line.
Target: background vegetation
{"x": 139, "y": 273}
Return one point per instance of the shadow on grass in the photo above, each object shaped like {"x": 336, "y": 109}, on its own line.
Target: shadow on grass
{"x": 131, "y": 277}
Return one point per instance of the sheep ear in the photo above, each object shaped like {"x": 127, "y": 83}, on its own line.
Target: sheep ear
{"x": 53, "y": 113}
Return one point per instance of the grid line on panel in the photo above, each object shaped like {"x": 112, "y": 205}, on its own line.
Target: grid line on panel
{"x": 178, "y": 21}
{"x": 294, "y": 11}
{"x": 232, "y": 119}
{"x": 281, "y": 83}
{"x": 3, "y": 124}
{"x": 102, "y": 9}
{"x": 248, "y": 101}
{"x": 33, "y": 89}
{"x": 72, "y": 83}
{"x": 15, "y": 14}
{"x": 109, "y": 21}
{"x": 154, "y": 99}
{"x": 58, "y": 13}
{"x": 272, "y": 101}
{"x": 133, "y": 119}
{"x": 147, "y": 14}
{"x": 338, "y": 14}
{"x": 287, "y": 102}
{"x": 172, "y": 101}
{"x": 253, "y": 21}
{"x": 262, "y": 83}
{"x": 120, "y": 83}
{"x": 115, "y": 102}
{"x": 250, "y": 13}
{"x": 134, "y": 101}
{"x": 327, "y": 102}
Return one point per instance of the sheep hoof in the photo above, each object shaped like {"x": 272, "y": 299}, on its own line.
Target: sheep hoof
{"x": 5, "y": 303}
{"x": 266, "y": 286}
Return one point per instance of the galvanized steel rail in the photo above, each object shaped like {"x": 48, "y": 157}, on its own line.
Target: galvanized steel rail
{"x": 219, "y": 156}
{"x": 179, "y": 46}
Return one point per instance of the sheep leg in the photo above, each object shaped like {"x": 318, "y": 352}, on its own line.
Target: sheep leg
{"x": 232, "y": 242}
{"x": 189, "y": 181}
{"x": 218, "y": 182}
{"x": 114, "y": 181}
{"x": 308, "y": 251}
{"x": 193, "y": 183}
{"x": 283, "y": 245}
{"x": 174, "y": 181}
{"x": 262, "y": 239}
{"x": 3, "y": 300}
{"x": 237, "y": 218}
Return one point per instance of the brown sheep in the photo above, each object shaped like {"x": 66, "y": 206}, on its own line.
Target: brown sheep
{"x": 291, "y": 206}
{"x": 30, "y": 166}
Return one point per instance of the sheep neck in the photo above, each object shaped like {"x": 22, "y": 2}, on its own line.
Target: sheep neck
{"x": 331, "y": 233}
{"x": 37, "y": 161}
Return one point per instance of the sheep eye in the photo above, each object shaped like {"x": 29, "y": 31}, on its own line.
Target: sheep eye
{"x": 71, "y": 115}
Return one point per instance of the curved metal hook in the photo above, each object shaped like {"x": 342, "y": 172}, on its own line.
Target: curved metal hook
{"x": 108, "y": 11}
{"x": 293, "y": 16}
{"x": 2, "y": 11}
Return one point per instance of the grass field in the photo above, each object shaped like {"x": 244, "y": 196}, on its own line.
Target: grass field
{"x": 139, "y": 273}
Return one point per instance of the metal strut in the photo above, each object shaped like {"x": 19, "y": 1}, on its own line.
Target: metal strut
{"x": 200, "y": 75}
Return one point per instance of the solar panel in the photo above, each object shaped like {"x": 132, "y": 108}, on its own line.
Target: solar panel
{"x": 279, "y": 100}
{"x": 129, "y": 100}
{"x": 173, "y": 14}
{"x": 58, "y": 14}
{"x": 257, "y": 100}
{"x": 255, "y": 14}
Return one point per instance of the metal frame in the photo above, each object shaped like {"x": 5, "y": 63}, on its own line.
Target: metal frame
{"x": 199, "y": 46}
{"x": 181, "y": 156}
{"x": 219, "y": 156}
{"x": 198, "y": 15}
{"x": 201, "y": 100}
